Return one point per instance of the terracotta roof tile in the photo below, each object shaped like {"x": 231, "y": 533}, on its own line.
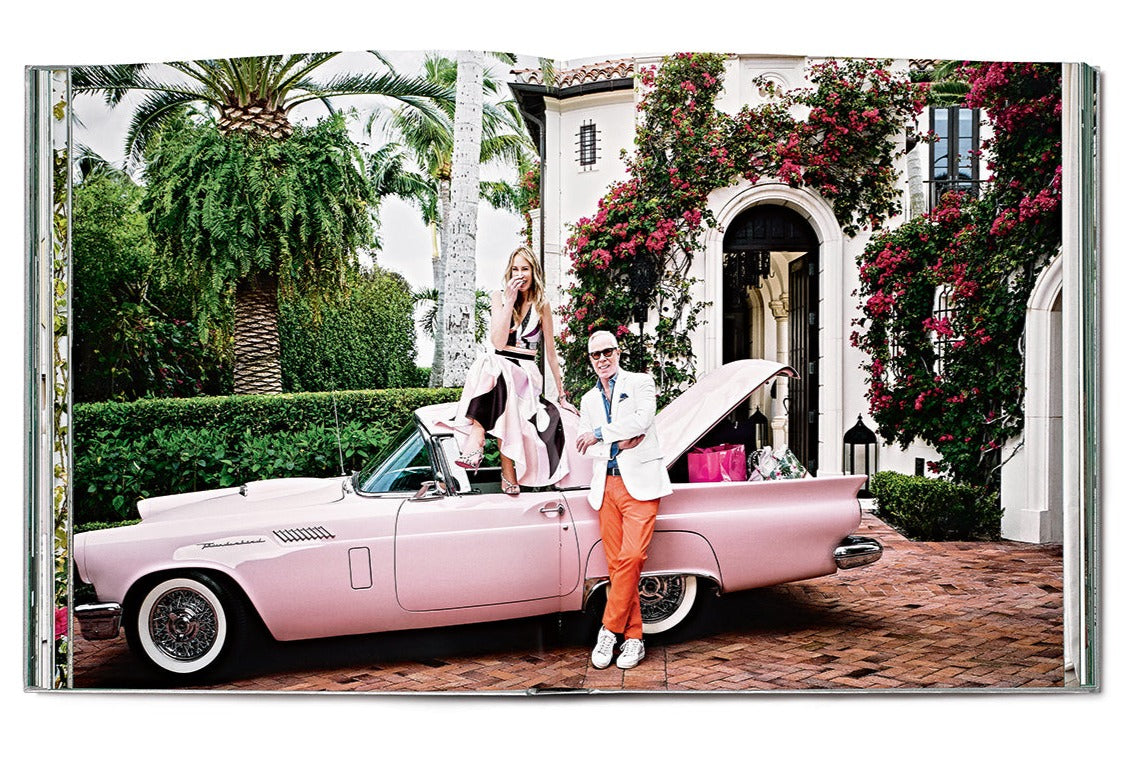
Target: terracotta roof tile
{"x": 613, "y": 69}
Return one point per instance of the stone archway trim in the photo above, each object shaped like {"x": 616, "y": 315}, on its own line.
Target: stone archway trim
{"x": 1033, "y": 520}
{"x": 727, "y": 204}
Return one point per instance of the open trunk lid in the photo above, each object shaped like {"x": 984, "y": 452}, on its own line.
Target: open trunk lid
{"x": 707, "y": 402}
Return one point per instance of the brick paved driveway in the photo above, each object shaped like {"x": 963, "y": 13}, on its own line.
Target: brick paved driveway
{"x": 939, "y": 615}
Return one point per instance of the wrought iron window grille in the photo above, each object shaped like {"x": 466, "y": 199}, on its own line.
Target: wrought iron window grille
{"x": 587, "y": 145}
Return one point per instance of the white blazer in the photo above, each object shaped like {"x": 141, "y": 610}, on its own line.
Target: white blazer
{"x": 633, "y": 413}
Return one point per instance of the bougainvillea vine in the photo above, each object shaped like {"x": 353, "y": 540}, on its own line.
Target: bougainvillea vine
{"x": 955, "y": 378}
{"x": 632, "y": 256}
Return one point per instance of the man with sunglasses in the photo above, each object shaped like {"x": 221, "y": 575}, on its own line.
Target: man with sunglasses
{"x": 629, "y": 477}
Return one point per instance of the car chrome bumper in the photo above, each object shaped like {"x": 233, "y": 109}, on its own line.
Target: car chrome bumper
{"x": 99, "y": 621}
{"x": 857, "y": 551}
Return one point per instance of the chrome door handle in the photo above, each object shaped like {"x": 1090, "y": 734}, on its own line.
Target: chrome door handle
{"x": 553, "y": 511}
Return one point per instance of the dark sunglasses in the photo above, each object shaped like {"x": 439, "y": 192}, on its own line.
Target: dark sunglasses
{"x": 606, "y": 353}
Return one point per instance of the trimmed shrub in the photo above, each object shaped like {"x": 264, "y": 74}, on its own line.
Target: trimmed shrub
{"x": 358, "y": 339}
{"x": 125, "y": 452}
{"x": 935, "y": 509}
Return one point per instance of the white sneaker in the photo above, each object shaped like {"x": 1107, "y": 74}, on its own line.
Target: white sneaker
{"x": 631, "y": 652}
{"x": 603, "y": 651}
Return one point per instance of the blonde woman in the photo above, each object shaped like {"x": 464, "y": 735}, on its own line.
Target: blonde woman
{"x": 503, "y": 393}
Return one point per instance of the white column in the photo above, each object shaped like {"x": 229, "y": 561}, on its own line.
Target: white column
{"x": 779, "y": 418}
{"x": 1079, "y": 219}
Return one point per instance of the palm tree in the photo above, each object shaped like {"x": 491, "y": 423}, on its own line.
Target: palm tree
{"x": 458, "y": 298}
{"x": 252, "y": 94}
{"x": 429, "y": 136}
{"x": 302, "y": 196}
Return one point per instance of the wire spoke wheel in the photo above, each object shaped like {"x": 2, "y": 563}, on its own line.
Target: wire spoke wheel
{"x": 666, "y": 600}
{"x": 184, "y": 624}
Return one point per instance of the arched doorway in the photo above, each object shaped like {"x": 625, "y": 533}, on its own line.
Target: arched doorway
{"x": 770, "y": 260}
{"x": 1033, "y": 482}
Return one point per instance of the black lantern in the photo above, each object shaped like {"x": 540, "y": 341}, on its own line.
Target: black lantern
{"x": 642, "y": 284}
{"x": 761, "y": 427}
{"x": 747, "y": 269}
{"x": 860, "y": 440}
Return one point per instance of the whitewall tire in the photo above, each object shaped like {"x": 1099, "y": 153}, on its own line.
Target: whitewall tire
{"x": 666, "y": 600}
{"x": 184, "y": 624}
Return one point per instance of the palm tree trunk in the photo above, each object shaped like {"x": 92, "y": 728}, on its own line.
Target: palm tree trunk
{"x": 439, "y": 267}
{"x": 257, "y": 368}
{"x": 459, "y": 276}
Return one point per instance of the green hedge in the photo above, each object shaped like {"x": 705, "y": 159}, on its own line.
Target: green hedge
{"x": 935, "y": 509}
{"x": 359, "y": 338}
{"x": 129, "y": 451}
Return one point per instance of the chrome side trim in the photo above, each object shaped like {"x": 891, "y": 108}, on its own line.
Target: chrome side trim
{"x": 99, "y": 621}
{"x": 302, "y": 534}
{"x": 857, "y": 551}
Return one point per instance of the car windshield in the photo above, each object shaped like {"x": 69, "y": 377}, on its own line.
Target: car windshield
{"x": 403, "y": 465}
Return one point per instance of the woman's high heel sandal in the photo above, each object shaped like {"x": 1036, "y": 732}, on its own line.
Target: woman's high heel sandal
{"x": 470, "y": 460}
{"x": 510, "y": 489}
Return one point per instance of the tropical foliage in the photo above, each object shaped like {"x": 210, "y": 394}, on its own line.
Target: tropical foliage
{"x": 263, "y": 217}
{"x": 133, "y": 335}
{"x": 265, "y": 205}
{"x": 633, "y": 255}
{"x": 954, "y": 375}
{"x": 252, "y": 95}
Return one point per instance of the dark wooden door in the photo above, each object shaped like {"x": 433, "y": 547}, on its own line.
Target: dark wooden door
{"x": 803, "y": 355}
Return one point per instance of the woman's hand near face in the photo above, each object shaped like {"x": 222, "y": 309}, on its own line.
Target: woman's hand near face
{"x": 510, "y": 291}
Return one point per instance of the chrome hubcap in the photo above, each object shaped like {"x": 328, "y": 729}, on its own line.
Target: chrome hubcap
{"x": 183, "y": 624}
{"x": 660, "y": 596}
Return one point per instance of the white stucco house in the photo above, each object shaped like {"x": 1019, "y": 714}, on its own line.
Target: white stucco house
{"x": 801, "y": 312}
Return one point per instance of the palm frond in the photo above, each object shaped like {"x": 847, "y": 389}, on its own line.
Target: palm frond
{"x": 147, "y": 119}
{"x": 383, "y": 59}
{"x": 306, "y": 64}
{"x": 426, "y": 299}
{"x": 549, "y": 71}
{"x": 947, "y": 87}
{"x": 91, "y": 165}
{"x": 510, "y": 148}
{"x": 114, "y": 80}
{"x": 949, "y": 93}
{"x": 501, "y": 195}
{"x": 506, "y": 58}
{"x": 389, "y": 175}
{"x": 389, "y": 85}
{"x": 209, "y": 73}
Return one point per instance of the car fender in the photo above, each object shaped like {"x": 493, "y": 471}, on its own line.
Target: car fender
{"x": 670, "y": 552}
{"x": 223, "y": 556}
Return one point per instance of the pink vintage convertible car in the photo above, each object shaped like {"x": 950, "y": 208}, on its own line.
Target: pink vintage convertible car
{"x": 413, "y": 542}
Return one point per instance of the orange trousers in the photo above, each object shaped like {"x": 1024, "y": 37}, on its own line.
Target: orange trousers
{"x": 626, "y": 531}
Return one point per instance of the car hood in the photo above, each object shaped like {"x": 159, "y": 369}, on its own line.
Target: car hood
{"x": 278, "y": 494}
{"x": 695, "y": 411}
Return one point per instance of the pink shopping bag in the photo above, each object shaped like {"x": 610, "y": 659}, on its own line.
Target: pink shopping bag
{"x": 726, "y": 462}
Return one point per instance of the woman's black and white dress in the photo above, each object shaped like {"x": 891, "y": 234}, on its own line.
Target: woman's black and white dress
{"x": 503, "y": 393}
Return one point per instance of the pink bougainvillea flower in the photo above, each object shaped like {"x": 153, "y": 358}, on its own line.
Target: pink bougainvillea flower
{"x": 60, "y": 622}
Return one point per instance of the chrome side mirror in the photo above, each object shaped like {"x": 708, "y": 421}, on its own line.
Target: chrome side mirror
{"x": 429, "y": 490}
